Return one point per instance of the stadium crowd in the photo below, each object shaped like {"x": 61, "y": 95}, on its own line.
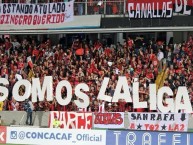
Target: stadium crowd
{"x": 88, "y": 62}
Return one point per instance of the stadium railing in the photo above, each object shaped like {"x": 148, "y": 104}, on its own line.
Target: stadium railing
{"x": 86, "y": 7}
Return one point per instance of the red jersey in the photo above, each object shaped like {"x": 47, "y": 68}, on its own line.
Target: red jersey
{"x": 35, "y": 52}
{"x": 107, "y": 51}
{"x": 130, "y": 43}
{"x": 150, "y": 75}
{"x": 7, "y": 45}
{"x": 20, "y": 65}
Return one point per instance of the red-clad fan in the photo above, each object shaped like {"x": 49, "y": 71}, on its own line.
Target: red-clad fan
{"x": 87, "y": 63}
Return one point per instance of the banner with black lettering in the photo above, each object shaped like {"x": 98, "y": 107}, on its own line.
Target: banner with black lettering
{"x": 109, "y": 120}
{"x": 70, "y": 120}
{"x": 158, "y": 8}
{"x": 158, "y": 121}
{"x": 30, "y": 16}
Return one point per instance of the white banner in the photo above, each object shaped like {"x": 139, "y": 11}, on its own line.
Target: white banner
{"x": 74, "y": 120}
{"x": 159, "y": 121}
{"x": 33, "y": 16}
{"x": 46, "y": 136}
{"x": 109, "y": 120}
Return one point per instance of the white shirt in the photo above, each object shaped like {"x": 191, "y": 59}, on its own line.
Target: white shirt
{"x": 117, "y": 71}
{"x": 160, "y": 55}
{"x": 31, "y": 105}
{"x": 16, "y": 44}
{"x": 101, "y": 107}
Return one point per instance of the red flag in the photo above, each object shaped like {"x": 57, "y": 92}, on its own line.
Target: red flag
{"x": 30, "y": 63}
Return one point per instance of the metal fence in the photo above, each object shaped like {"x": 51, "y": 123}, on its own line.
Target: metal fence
{"x": 99, "y": 7}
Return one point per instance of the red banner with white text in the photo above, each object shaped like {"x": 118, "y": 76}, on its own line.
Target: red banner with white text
{"x": 109, "y": 120}
{"x": 70, "y": 120}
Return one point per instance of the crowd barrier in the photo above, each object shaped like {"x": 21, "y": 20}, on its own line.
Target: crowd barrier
{"x": 110, "y": 120}
{"x": 39, "y": 118}
{"x": 48, "y": 136}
